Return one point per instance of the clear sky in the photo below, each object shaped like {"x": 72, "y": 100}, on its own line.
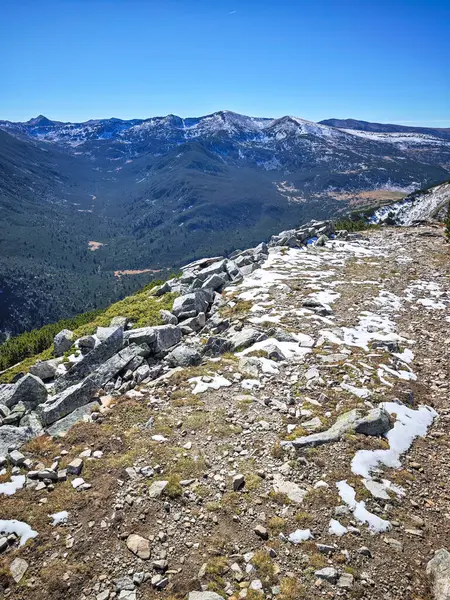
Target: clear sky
{"x": 377, "y": 60}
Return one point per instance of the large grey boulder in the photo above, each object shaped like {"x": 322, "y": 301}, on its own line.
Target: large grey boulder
{"x": 29, "y": 390}
{"x": 245, "y": 338}
{"x": 215, "y": 282}
{"x": 168, "y": 318}
{"x": 375, "y": 422}
{"x": 61, "y": 427}
{"x": 217, "y": 268}
{"x": 32, "y": 422}
{"x": 438, "y": 569}
{"x": 143, "y": 335}
{"x": 13, "y": 437}
{"x": 67, "y": 401}
{"x": 46, "y": 369}
{"x": 215, "y": 346}
{"x": 101, "y": 353}
{"x": 111, "y": 367}
{"x": 193, "y": 324}
{"x": 167, "y": 336}
{"x": 63, "y": 341}
{"x": 191, "y": 304}
{"x": 86, "y": 343}
{"x": 233, "y": 271}
{"x": 184, "y": 356}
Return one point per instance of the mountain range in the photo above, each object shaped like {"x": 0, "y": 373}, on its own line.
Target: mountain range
{"x": 91, "y": 210}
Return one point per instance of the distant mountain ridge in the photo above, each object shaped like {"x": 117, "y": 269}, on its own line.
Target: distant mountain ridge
{"x": 139, "y": 195}
{"x": 385, "y": 127}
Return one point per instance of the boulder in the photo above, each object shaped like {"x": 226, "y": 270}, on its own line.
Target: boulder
{"x": 86, "y": 343}
{"x": 168, "y": 318}
{"x": 328, "y": 574}
{"x": 233, "y": 271}
{"x": 438, "y": 568}
{"x": 216, "y": 268}
{"x": 375, "y": 422}
{"x": 13, "y": 437}
{"x": 61, "y": 427}
{"x": 46, "y": 369}
{"x": 96, "y": 357}
{"x": 110, "y": 368}
{"x": 215, "y": 282}
{"x": 215, "y": 346}
{"x": 167, "y": 336}
{"x": 195, "y": 302}
{"x": 194, "y": 323}
{"x": 63, "y": 341}
{"x": 143, "y": 335}
{"x": 274, "y": 353}
{"x": 139, "y": 546}
{"x": 67, "y": 401}
{"x": 29, "y": 390}
{"x": 245, "y": 338}
{"x": 18, "y": 568}
{"x": 103, "y": 333}
{"x": 184, "y": 356}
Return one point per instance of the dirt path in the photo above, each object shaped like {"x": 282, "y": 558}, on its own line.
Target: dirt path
{"x": 379, "y": 334}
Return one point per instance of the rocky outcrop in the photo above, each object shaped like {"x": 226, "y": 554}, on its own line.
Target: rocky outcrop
{"x": 375, "y": 422}
{"x": 115, "y": 361}
{"x": 67, "y": 401}
{"x": 112, "y": 343}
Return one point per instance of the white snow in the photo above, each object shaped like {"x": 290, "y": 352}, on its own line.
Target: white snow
{"x": 428, "y": 303}
{"x": 216, "y": 382}
{"x": 289, "y": 349}
{"x": 21, "y": 529}
{"x": 348, "y": 495}
{"x": 336, "y": 528}
{"x": 249, "y": 384}
{"x": 10, "y": 487}
{"x": 410, "y": 424}
{"x": 300, "y": 535}
{"x": 59, "y": 517}
{"x": 356, "y": 391}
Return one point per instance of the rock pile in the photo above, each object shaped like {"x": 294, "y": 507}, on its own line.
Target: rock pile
{"x": 116, "y": 360}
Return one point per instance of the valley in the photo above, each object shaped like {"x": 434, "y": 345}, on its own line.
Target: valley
{"x": 152, "y": 194}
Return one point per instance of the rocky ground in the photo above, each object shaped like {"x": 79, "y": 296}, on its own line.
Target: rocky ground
{"x": 219, "y": 476}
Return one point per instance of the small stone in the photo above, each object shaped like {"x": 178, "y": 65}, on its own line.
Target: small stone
{"x": 261, "y": 532}
{"x": 157, "y": 488}
{"x": 18, "y": 568}
{"x": 139, "y": 546}
{"x": 75, "y": 467}
{"x": 328, "y": 574}
{"x": 238, "y": 482}
{"x": 127, "y": 595}
{"x": 78, "y": 482}
{"x": 346, "y": 581}
{"x": 364, "y": 551}
{"x": 16, "y": 458}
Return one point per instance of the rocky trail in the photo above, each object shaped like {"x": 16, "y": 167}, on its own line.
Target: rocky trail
{"x": 287, "y": 437}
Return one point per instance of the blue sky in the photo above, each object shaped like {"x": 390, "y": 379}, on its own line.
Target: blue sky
{"x": 385, "y": 60}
